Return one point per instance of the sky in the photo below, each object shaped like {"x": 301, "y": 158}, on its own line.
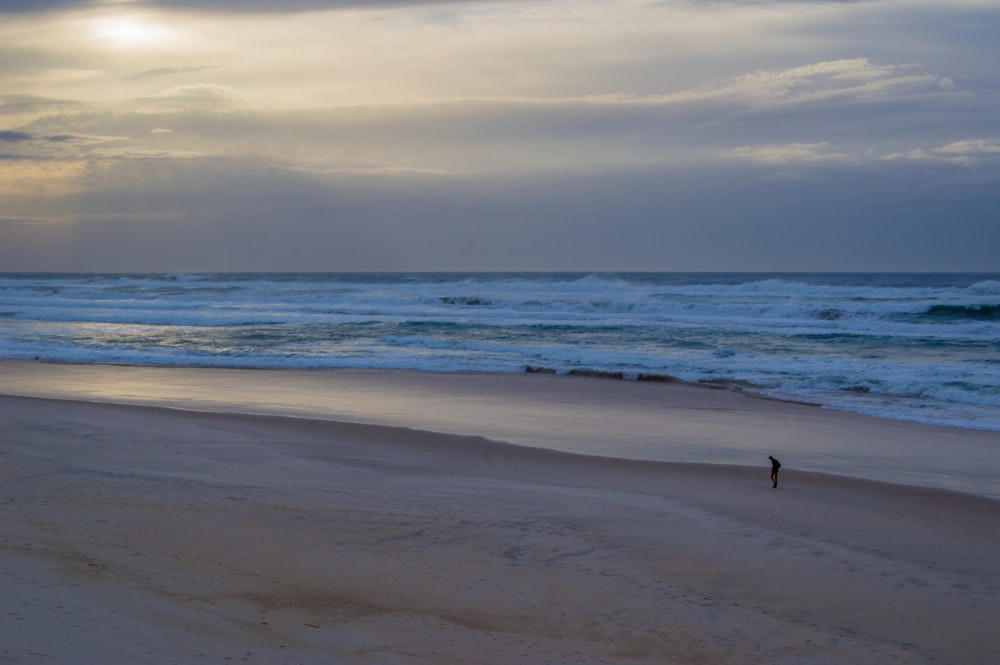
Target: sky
{"x": 584, "y": 135}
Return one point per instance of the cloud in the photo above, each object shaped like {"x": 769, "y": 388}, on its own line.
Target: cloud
{"x": 201, "y": 90}
{"x": 11, "y": 105}
{"x": 64, "y": 138}
{"x": 822, "y": 82}
{"x": 40, "y": 6}
{"x": 855, "y": 79}
{"x": 189, "y": 98}
{"x": 167, "y": 71}
{"x": 65, "y": 148}
{"x": 562, "y": 134}
{"x": 966, "y": 152}
{"x": 218, "y": 6}
{"x": 824, "y": 112}
{"x": 13, "y": 136}
{"x": 970, "y": 147}
{"x": 289, "y": 6}
{"x": 840, "y": 82}
{"x": 792, "y": 152}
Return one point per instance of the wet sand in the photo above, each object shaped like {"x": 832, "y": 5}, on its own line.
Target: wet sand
{"x": 626, "y": 419}
{"x": 143, "y": 534}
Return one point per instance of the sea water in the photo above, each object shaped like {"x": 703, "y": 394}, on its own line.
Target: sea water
{"x": 915, "y": 347}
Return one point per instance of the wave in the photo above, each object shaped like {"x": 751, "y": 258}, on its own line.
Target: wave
{"x": 837, "y": 339}
{"x": 975, "y": 312}
{"x": 732, "y": 302}
{"x": 986, "y": 287}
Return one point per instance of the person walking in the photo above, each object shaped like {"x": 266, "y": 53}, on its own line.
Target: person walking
{"x": 775, "y": 465}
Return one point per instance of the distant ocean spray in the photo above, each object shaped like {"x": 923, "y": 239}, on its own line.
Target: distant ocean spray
{"x": 917, "y": 347}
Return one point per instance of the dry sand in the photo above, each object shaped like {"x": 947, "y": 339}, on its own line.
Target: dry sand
{"x": 136, "y": 534}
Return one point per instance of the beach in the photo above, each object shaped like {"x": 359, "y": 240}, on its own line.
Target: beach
{"x": 160, "y": 529}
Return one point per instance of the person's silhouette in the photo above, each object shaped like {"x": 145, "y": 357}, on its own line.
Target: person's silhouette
{"x": 775, "y": 465}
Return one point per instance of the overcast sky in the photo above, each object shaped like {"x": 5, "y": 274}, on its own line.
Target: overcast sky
{"x": 178, "y": 135}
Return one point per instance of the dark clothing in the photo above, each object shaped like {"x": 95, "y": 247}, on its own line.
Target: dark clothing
{"x": 775, "y": 465}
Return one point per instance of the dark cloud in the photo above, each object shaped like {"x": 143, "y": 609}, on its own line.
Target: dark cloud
{"x": 40, "y": 6}
{"x": 17, "y": 136}
{"x": 14, "y": 136}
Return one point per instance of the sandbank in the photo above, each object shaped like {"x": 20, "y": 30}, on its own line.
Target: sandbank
{"x": 144, "y": 534}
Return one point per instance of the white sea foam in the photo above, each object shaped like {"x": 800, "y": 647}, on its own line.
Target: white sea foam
{"x": 919, "y": 347}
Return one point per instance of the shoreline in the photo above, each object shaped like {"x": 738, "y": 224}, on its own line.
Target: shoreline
{"x": 739, "y": 386}
{"x": 749, "y": 389}
{"x": 658, "y": 421}
{"x": 150, "y": 534}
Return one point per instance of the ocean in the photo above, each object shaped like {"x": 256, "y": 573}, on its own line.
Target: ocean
{"x": 915, "y": 347}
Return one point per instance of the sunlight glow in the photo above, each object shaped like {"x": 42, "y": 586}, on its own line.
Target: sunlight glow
{"x": 132, "y": 33}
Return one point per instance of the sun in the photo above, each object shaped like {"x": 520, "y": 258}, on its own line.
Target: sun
{"x": 132, "y": 32}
